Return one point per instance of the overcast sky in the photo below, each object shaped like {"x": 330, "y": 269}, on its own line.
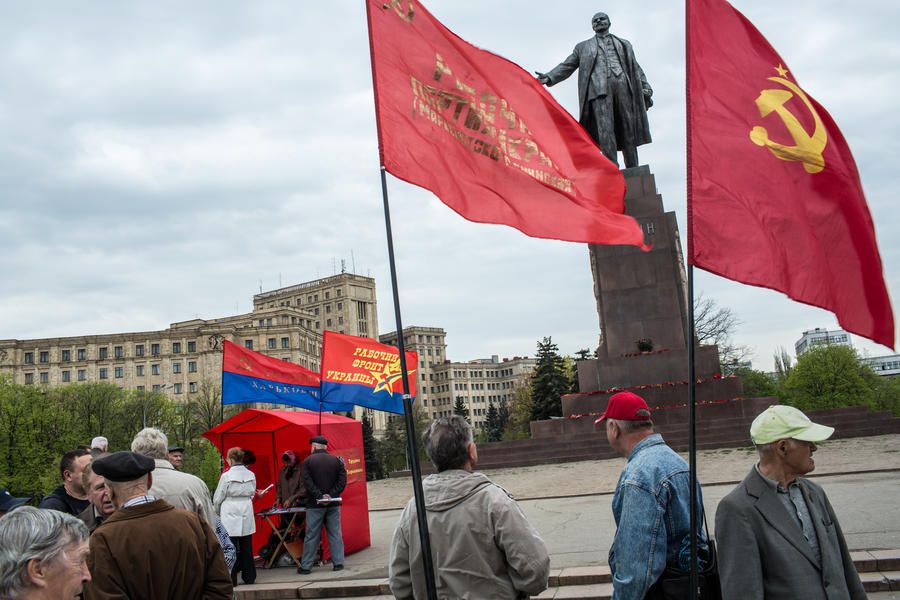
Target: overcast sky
{"x": 160, "y": 161}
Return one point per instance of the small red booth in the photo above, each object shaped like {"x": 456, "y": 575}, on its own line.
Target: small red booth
{"x": 269, "y": 433}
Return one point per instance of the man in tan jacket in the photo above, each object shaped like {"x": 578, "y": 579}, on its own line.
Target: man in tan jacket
{"x": 483, "y": 546}
{"x": 149, "y": 549}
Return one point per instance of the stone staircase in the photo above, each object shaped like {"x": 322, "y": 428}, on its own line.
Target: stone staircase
{"x": 878, "y": 569}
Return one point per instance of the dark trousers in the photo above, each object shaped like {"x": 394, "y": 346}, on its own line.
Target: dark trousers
{"x": 244, "y": 563}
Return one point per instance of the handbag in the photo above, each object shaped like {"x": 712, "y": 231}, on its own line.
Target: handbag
{"x": 675, "y": 584}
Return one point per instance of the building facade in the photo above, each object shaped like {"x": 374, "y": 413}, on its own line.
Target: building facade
{"x": 286, "y": 323}
{"x": 886, "y": 366}
{"x": 477, "y": 383}
{"x": 821, "y": 337}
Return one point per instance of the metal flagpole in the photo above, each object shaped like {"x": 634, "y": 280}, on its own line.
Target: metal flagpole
{"x": 692, "y": 377}
{"x": 411, "y": 445}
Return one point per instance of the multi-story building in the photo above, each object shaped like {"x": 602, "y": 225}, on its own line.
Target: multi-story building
{"x": 821, "y": 337}
{"x": 286, "y": 323}
{"x": 886, "y": 366}
{"x": 430, "y": 344}
{"x": 477, "y": 383}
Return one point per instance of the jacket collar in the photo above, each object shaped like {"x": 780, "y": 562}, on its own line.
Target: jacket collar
{"x": 773, "y": 511}
{"x": 139, "y": 511}
{"x": 163, "y": 464}
{"x": 651, "y": 440}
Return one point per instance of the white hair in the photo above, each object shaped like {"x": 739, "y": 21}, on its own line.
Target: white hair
{"x": 27, "y": 534}
{"x": 151, "y": 442}
{"x": 100, "y": 442}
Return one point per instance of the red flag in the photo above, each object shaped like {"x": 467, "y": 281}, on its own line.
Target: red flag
{"x": 774, "y": 197}
{"x": 485, "y": 136}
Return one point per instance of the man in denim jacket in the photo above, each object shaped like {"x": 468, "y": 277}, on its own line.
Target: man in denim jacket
{"x": 651, "y": 503}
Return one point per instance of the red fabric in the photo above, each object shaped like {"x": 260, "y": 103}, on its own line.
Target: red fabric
{"x": 801, "y": 227}
{"x": 348, "y": 359}
{"x": 485, "y": 136}
{"x": 626, "y": 406}
{"x": 268, "y": 433}
{"x": 240, "y": 360}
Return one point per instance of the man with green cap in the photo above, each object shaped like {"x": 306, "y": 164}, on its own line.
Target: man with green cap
{"x": 778, "y": 535}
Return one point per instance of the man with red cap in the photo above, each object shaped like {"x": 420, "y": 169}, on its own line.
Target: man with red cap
{"x": 651, "y": 504}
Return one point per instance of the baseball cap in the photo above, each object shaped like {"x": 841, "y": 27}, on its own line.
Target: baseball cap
{"x": 9, "y": 502}
{"x": 779, "y": 422}
{"x": 626, "y": 406}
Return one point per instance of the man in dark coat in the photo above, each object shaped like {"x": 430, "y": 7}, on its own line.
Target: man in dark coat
{"x": 70, "y": 497}
{"x": 613, "y": 93}
{"x": 324, "y": 477}
{"x": 148, "y": 549}
{"x": 778, "y": 535}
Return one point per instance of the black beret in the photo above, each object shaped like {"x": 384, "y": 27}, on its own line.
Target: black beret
{"x": 176, "y": 449}
{"x": 318, "y": 440}
{"x": 123, "y": 466}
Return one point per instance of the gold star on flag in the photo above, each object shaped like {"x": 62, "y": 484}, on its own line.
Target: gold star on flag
{"x": 781, "y": 70}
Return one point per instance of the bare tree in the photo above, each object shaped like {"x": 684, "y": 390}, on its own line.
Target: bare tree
{"x": 714, "y": 324}
{"x": 783, "y": 364}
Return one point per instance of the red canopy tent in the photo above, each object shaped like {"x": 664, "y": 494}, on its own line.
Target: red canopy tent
{"x": 268, "y": 433}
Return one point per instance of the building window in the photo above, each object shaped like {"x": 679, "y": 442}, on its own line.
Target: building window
{"x": 328, "y": 308}
{"x": 192, "y": 346}
{"x": 44, "y": 357}
{"x": 45, "y": 377}
{"x": 104, "y": 353}
{"x": 178, "y": 388}
{"x": 119, "y": 352}
{"x": 104, "y": 373}
{"x": 139, "y": 370}
{"x": 270, "y": 343}
{"x": 154, "y": 369}
{"x": 192, "y": 387}
{"x": 120, "y": 372}
{"x": 262, "y": 322}
{"x": 268, "y": 322}
{"x": 192, "y": 366}
{"x": 316, "y": 310}
{"x": 156, "y": 387}
{"x": 176, "y": 347}
{"x": 248, "y": 344}
{"x": 138, "y": 349}
{"x": 82, "y": 354}
{"x": 140, "y": 388}
{"x": 285, "y": 342}
{"x": 66, "y": 355}
{"x": 176, "y": 367}
{"x": 328, "y": 323}
{"x": 29, "y": 358}
{"x": 339, "y": 292}
{"x": 82, "y": 374}
{"x": 66, "y": 376}
{"x": 29, "y": 378}
{"x": 154, "y": 349}
{"x": 327, "y": 295}
{"x": 340, "y": 306}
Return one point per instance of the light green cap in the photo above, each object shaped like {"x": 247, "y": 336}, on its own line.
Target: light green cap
{"x": 782, "y": 422}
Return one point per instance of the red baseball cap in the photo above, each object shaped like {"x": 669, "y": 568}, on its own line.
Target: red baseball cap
{"x": 626, "y": 406}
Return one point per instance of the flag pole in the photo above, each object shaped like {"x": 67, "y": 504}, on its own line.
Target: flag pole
{"x": 411, "y": 446}
{"x": 692, "y": 378}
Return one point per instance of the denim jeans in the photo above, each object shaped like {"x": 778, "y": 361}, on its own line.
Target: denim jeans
{"x": 332, "y": 519}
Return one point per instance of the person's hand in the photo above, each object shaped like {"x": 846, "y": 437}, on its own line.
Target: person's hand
{"x": 542, "y": 78}
{"x": 648, "y": 99}
{"x": 326, "y": 496}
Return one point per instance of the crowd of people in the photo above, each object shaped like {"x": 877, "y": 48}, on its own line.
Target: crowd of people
{"x": 777, "y": 535}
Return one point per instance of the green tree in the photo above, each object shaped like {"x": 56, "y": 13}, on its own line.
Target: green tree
{"x": 370, "y": 449}
{"x": 758, "y": 384}
{"x": 459, "y": 408}
{"x": 519, "y": 409}
{"x": 549, "y": 382}
{"x": 392, "y": 448}
{"x": 493, "y": 432}
{"x": 830, "y": 377}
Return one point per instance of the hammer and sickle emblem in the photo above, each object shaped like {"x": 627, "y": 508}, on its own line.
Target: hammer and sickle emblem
{"x": 807, "y": 148}
{"x": 397, "y": 5}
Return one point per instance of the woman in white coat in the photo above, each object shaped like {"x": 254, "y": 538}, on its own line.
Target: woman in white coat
{"x": 233, "y": 502}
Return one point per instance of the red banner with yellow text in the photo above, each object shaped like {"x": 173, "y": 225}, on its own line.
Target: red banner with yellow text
{"x": 485, "y": 136}
{"x": 362, "y": 371}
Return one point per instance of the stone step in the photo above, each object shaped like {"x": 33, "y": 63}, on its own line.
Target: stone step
{"x": 879, "y": 571}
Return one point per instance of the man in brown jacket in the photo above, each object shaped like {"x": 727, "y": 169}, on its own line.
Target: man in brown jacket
{"x": 149, "y": 549}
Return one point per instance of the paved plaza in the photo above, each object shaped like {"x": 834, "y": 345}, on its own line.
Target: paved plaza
{"x": 570, "y": 503}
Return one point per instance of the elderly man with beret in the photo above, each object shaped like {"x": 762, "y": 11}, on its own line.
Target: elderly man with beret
{"x": 148, "y": 549}
{"x": 778, "y": 535}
